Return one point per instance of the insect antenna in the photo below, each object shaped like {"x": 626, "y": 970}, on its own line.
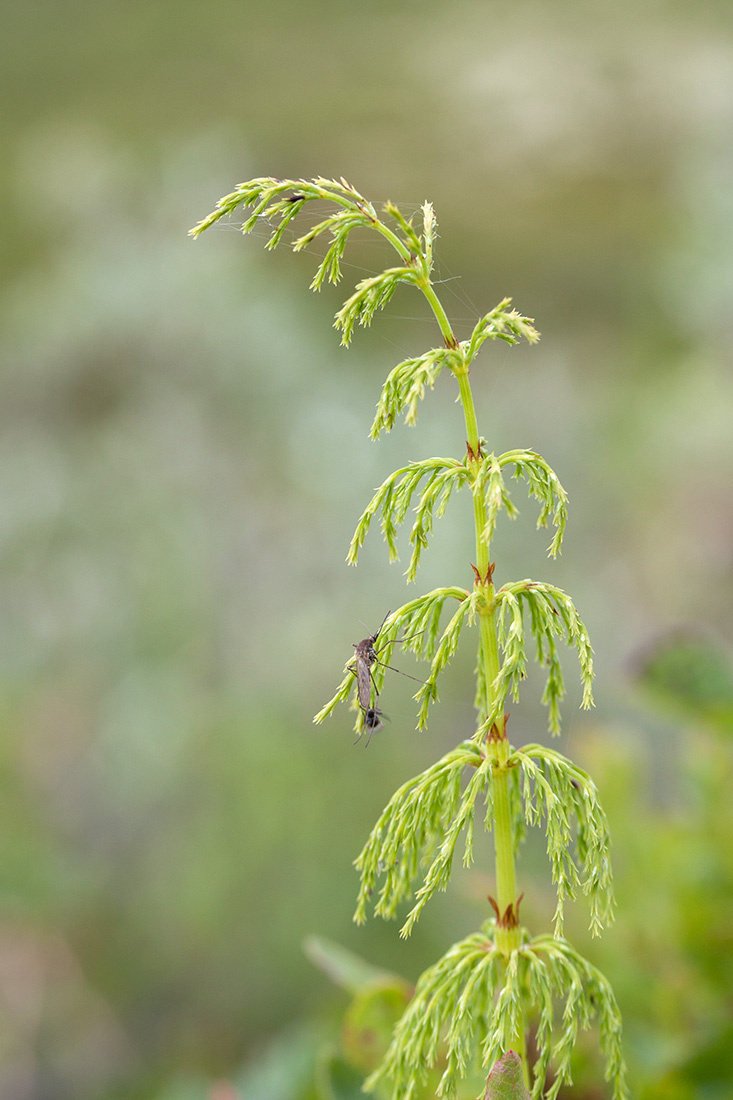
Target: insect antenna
{"x": 397, "y": 641}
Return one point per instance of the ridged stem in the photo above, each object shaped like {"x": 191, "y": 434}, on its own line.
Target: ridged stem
{"x": 508, "y": 935}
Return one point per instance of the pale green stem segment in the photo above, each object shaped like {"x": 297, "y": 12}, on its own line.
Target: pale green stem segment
{"x": 394, "y": 240}
{"x": 507, "y": 939}
{"x": 440, "y": 314}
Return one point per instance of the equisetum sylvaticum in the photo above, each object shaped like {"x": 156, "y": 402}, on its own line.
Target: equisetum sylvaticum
{"x": 501, "y": 984}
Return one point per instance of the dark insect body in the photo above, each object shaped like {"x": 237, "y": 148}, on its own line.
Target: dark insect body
{"x": 372, "y": 722}
{"x": 372, "y": 718}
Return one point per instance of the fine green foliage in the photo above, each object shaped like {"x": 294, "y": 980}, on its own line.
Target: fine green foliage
{"x": 559, "y": 791}
{"x": 421, "y": 825}
{"x": 552, "y": 615}
{"x": 394, "y": 498}
{"x": 543, "y": 484}
{"x": 467, "y": 1008}
{"x": 406, "y": 383}
{"x": 418, "y": 831}
{"x": 477, "y": 1002}
{"x": 436, "y": 478}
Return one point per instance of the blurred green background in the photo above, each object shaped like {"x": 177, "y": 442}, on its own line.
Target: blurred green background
{"x": 184, "y": 455}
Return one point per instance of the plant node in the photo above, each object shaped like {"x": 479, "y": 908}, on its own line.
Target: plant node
{"x": 510, "y": 917}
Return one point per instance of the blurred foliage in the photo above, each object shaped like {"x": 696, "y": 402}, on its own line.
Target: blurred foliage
{"x": 184, "y": 453}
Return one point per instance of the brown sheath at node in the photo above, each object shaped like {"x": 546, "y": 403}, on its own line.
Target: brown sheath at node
{"x": 510, "y": 917}
{"x": 489, "y": 573}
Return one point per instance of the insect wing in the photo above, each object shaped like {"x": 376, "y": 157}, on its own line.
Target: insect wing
{"x": 363, "y": 678}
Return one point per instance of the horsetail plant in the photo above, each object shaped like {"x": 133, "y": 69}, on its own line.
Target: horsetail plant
{"x": 481, "y": 999}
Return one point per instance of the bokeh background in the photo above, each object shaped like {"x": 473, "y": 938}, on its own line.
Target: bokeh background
{"x": 184, "y": 455}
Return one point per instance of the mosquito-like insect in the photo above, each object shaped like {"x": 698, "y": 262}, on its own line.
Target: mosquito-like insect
{"x": 367, "y": 655}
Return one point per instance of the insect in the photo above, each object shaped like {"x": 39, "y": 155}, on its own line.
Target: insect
{"x": 367, "y": 656}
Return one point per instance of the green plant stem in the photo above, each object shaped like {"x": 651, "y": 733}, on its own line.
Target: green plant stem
{"x": 440, "y": 315}
{"x": 506, "y": 885}
{"x": 469, "y": 413}
{"x": 401, "y": 249}
{"x": 508, "y": 935}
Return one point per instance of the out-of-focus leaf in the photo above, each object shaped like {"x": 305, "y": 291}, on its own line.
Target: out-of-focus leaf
{"x": 337, "y": 1080}
{"x": 379, "y": 999}
{"x": 285, "y": 1070}
{"x": 370, "y": 1020}
{"x": 506, "y": 1080}
{"x": 344, "y": 968}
